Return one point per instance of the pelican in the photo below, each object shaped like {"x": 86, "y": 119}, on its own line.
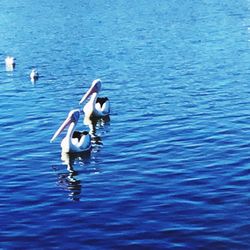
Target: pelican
{"x": 74, "y": 141}
{"x": 10, "y": 63}
{"x": 34, "y": 75}
{"x": 96, "y": 107}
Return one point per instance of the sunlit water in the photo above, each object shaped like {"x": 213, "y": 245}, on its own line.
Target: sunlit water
{"x": 171, "y": 170}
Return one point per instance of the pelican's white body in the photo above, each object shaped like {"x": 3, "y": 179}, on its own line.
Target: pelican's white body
{"x": 70, "y": 144}
{"x": 93, "y": 109}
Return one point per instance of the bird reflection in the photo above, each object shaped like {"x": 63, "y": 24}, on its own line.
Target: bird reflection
{"x": 94, "y": 124}
{"x": 69, "y": 180}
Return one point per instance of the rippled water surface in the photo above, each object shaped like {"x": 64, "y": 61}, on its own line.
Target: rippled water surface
{"x": 171, "y": 170}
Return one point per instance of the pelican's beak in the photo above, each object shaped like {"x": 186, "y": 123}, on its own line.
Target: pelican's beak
{"x": 95, "y": 87}
{"x": 62, "y": 127}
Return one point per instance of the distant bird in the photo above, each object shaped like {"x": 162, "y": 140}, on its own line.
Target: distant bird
{"x": 10, "y": 63}
{"x": 96, "y": 107}
{"x": 34, "y": 75}
{"x": 74, "y": 141}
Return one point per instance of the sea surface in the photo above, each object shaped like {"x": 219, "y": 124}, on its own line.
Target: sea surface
{"x": 171, "y": 169}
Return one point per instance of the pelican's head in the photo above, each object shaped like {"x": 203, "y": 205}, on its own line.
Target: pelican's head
{"x": 73, "y": 116}
{"x": 95, "y": 88}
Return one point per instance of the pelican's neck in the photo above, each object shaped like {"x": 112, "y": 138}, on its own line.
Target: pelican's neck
{"x": 71, "y": 130}
{"x": 89, "y": 108}
{"x": 66, "y": 143}
{"x": 93, "y": 99}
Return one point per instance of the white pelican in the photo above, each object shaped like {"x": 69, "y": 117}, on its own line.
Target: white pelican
{"x": 96, "y": 107}
{"x": 74, "y": 141}
{"x": 34, "y": 75}
{"x": 10, "y": 63}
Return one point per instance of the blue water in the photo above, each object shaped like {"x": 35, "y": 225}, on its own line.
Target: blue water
{"x": 171, "y": 170}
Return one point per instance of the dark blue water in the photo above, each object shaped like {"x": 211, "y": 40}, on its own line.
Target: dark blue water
{"x": 171, "y": 170}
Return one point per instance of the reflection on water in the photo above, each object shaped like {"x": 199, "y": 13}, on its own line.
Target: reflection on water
{"x": 95, "y": 125}
{"x": 70, "y": 183}
{"x": 68, "y": 180}
{"x": 33, "y": 81}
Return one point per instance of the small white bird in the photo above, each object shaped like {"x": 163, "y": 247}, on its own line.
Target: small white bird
{"x": 34, "y": 75}
{"x": 96, "y": 107}
{"x": 10, "y": 63}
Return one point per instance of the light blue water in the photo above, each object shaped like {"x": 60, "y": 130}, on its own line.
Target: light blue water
{"x": 171, "y": 169}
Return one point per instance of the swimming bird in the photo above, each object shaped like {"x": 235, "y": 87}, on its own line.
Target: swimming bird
{"x": 10, "y": 63}
{"x": 74, "y": 141}
{"x": 96, "y": 107}
{"x": 34, "y": 75}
